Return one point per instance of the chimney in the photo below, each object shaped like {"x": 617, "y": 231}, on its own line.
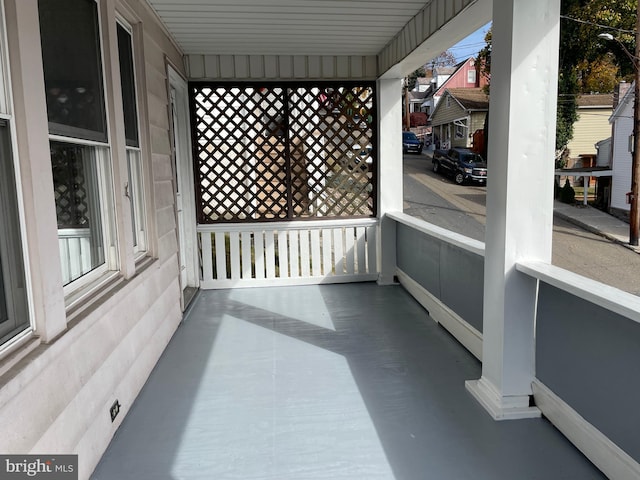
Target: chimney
{"x": 619, "y": 92}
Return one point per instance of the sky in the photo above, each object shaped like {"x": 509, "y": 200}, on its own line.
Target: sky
{"x": 471, "y": 45}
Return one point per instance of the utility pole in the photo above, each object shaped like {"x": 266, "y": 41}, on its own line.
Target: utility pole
{"x": 634, "y": 213}
{"x": 406, "y": 104}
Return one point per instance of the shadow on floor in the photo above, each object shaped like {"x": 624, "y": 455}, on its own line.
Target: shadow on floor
{"x": 323, "y": 382}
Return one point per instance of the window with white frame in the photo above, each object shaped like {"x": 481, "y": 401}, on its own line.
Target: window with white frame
{"x": 135, "y": 184}
{"x": 461, "y": 128}
{"x": 80, "y": 154}
{"x": 471, "y": 76}
{"x": 14, "y": 316}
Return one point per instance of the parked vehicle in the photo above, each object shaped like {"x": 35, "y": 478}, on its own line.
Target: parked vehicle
{"x": 462, "y": 163}
{"x": 411, "y": 143}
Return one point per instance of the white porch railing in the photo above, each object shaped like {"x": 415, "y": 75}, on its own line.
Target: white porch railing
{"x": 287, "y": 253}
{"x": 75, "y": 252}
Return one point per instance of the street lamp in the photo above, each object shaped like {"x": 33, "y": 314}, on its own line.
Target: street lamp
{"x": 634, "y": 212}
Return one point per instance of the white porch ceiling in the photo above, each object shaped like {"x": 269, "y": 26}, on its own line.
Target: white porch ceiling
{"x": 285, "y": 27}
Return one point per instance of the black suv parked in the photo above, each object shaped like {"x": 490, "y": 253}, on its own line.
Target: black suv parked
{"x": 462, "y": 163}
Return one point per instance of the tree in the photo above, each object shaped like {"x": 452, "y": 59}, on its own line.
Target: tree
{"x": 581, "y": 50}
{"x": 444, "y": 59}
{"x": 412, "y": 78}
{"x": 587, "y": 63}
{"x": 483, "y": 60}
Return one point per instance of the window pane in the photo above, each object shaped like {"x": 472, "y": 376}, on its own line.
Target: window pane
{"x": 13, "y": 293}
{"x": 127, "y": 80}
{"x": 76, "y": 179}
{"x": 72, "y": 68}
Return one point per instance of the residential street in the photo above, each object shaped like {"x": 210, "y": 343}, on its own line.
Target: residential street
{"x": 438, "y": 200}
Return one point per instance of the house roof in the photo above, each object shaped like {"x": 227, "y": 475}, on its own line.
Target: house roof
{"x": 414, "y": 95}
{"x": 602, "y": 100}
{"x": 446, "y": 70}
{"x": 442, "y": 87}
{"x": 470, "y": 98}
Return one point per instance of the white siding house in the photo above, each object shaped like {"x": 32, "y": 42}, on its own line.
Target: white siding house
{"x": 622, "y": 121}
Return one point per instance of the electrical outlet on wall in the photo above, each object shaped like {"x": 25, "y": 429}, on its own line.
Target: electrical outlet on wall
{"x": 114, "y": 410}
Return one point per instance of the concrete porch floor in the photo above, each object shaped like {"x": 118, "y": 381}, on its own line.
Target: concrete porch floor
{"x": 335, "y": 382}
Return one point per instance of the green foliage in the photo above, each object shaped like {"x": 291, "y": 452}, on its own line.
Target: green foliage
{"x": 413, "y": 77}
{"x": 567, "y": 113}
{"x": 567, "y": 193}
{"x": 582, "y": 22}
{"x": 483, "y": 60}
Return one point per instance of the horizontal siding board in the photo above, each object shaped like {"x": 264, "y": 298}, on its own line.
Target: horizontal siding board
{"x": 211, "y": 67}
{"x": 257, "y": 67}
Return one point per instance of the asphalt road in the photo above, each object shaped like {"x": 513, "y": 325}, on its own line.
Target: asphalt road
{"x": 462, "y": 209}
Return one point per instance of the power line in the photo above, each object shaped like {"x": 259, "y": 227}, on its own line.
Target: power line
{"x": 586, "y": 22}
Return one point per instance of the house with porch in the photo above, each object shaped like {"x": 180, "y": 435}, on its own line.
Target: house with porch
{"x": 460, "y": 113}
{"x": 591, "y": 127}
{"x": 206, "y": 270}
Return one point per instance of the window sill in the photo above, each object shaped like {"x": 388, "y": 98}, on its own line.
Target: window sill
{"x": 16, "y": 349}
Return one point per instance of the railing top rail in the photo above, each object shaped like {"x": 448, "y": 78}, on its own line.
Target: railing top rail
{"x": 298, "y": 225}
{"x": 465, "y": 243}
{"x": 598, "y": 293}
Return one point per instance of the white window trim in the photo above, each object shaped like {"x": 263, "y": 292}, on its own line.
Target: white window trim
{"x": 475, "y": 76}
{"x": 110, "y": 266}
{"x": 7, "y": 113}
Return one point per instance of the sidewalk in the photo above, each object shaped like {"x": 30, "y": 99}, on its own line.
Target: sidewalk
{"x": 589, "y": 218}
{"x": 595, "y": 221}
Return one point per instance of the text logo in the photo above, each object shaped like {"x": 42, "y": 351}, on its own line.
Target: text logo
{"x": 50, "y": 467}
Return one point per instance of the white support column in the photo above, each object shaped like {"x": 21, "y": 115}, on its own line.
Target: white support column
{"x": 519, "y": 224}
{"x": 389, "y": 173}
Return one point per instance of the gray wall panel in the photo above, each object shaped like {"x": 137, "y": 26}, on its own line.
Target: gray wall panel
{"x": 418, "y": 255}
{"x": 462, "y": 283}
{"x": 451, "y": 274}
{"x": 590, "y": 357}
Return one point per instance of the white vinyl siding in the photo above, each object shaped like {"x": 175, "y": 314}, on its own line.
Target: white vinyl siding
{"x": 621, "y": 161}
{"x": 592, "y": 126}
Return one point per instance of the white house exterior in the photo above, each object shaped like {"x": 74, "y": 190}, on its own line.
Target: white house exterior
{"x": 622, "y": 123}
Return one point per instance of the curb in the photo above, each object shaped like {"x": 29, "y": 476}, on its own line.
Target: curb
{"x": 595, "y": 230}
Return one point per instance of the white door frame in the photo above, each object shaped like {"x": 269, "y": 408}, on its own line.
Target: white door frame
{"x": 184, "y": 191}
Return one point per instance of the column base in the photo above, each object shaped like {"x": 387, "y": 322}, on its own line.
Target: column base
{"x": 387, "y": 280}
{"x": 499, "y": 407}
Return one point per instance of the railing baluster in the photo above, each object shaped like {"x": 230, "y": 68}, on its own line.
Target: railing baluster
{"x": 234, "y": 246}
{"x": 338, "y": 251}
{"x": 283, "y": 257}
{"x": 361, "y": 258}
{"x": 316, "y": 265}
{"x": 258, "y": 245}
{"x": 305, "y": 259}
{"x": 207, "y": 264}
{"x": 270, "y": 253}
{"x": 372, "y": 252}
{"x": 221, "y": 256}
{"x": 246, "y": 261}
{"x": 327, "y": 264}
{"x": 349, "y": 242}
